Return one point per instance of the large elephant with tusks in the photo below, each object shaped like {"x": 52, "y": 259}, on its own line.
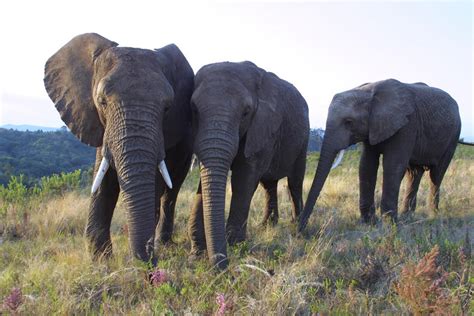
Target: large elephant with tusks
{"x": 133, "y": 105}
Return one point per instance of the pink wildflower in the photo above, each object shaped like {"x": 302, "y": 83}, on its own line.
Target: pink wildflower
{"x": 220, "y": 300}
{"x": 158, "y": 277}
{"x": 14, "y": 300}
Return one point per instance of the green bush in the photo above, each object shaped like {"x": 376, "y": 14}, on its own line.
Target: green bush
{"x": 19, "y": 194}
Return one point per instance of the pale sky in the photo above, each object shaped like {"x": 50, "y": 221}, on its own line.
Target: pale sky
{"x": 321, "y": 47}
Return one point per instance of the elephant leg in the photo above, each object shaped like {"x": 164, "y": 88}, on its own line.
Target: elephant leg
{"x": 164, "y": 228}
{"x": 369, "y": 164}
{"x": 436, "y": 175}
{"x": 271, "y": 201}
{"x": 179, "y": 160}
{"x": 393, "y": 172}
{"x": 413, "y": 174}
{"x": 196, "y": 226}
{"x": 295, "y": 185}
{"x": 244, "y": 183}
{"x": 101, "y": 210}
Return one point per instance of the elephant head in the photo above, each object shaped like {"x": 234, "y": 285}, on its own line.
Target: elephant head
{"x": 234, "y": 106}
{"x": 119, "y": 98}
{"x": 370, "y": 113}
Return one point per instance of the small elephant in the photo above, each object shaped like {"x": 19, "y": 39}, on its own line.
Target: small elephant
{"x": 134, "y": 106}
{"x": 413, "y": 126}
{"x": 251, "y": 122}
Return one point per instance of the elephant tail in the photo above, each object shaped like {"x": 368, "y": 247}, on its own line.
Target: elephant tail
{"x": 465, "y": 143}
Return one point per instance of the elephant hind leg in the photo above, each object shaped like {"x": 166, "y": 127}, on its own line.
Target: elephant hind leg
{"x": 413, "y": 175}
{"x": 271, "y": 201}
{"x": 436, "y": 175}
{"x": 295, "y": 185}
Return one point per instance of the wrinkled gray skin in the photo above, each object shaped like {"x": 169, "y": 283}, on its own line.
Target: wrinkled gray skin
{"x": 251, "y": 122}
{"x": 133, "y": 105}
{"x": 413, "y": 126}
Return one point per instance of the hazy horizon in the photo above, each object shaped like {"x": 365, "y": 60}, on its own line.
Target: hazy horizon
{"x": 321, "y": 47}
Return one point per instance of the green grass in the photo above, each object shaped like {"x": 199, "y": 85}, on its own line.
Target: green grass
{"x": 338, "y": 266}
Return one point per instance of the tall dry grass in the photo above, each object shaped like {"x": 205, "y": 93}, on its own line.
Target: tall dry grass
{"x": 338, "y": 266}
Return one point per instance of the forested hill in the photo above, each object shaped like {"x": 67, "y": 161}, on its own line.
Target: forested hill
{"x": 37, "y": 154}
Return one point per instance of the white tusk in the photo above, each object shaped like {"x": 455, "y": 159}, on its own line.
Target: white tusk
{"x": 165, "y": 174}
{"x": 104, "y": 165}
{"x": 338, "y": 159}
{"x": 194, "y": 163}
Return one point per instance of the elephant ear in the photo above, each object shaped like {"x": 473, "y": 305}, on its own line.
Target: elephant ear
{"x": 68, "y": 81}
{"x": 267, "y": 117}
{"x": 390, "y": 107}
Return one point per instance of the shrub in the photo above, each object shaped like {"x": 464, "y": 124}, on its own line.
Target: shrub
{"x": 420, "y": 286}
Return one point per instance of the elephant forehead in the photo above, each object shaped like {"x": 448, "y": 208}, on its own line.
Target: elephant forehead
{"x": 350, "y": 98}
{"x": 220, "y": 92}
{"x": 134, "y": 57}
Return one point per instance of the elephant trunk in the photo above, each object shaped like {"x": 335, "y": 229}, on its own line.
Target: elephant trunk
{"x": 138, "y": 187}
{"x": 216, "y": 153}
{"x": 328, "y": 154}
{"x": 136, "y": 154}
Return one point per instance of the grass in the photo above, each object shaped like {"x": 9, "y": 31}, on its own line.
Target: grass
{"x": 338, "y": 266}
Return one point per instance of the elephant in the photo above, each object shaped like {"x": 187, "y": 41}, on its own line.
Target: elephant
{"x": 133, "y": 105}
{"x": 255, "y": 124}
{"x": 414, "y": 127}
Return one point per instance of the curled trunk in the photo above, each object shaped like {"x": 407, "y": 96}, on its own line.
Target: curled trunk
{"x": 328, "y": 154}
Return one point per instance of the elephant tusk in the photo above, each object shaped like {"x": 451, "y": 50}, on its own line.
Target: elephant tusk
{"x": 338, "y": 159}
{"x": 104, "y": 165}
{"x": 165, "y": 174}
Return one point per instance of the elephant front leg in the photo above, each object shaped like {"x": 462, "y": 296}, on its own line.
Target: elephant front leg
{"x": 101, "y": 210}
{"x": 393, "y": 172}
{"x": 244, "y": 182}
{"x": 196, "y": 226}
{"x": 271, "y": 202}
{"x": 164, "y": 228}
{"x": 369, "y": 164}
{"x": 178, "y": 160}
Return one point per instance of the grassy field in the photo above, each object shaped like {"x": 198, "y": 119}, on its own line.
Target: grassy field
{"x": 339, "y": 266}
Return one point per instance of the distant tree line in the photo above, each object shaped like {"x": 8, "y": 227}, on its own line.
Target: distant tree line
{"x": 38, "y": 154}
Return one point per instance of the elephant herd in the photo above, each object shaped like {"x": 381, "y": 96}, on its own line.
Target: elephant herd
{"x": 147, "y": 113}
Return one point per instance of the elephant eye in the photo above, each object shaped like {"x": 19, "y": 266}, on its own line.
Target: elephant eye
{"x": 246, "y": 111}
{"x": 348, "y": 123}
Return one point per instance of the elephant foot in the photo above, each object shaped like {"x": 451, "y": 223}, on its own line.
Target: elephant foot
{"x": 369, "y": 219}
{"x": 390, "y": 216}
{"x": 235, "y": 235}
{"x": 101, "y": 251}
{"x": 234, "y": 239}
{"x": 196, "y": 255}
{"x": 272, "y": 220}
{"x": 407, "y": 216}
{"x": 166, "y": 242}
{"x": 198, "y": 251}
